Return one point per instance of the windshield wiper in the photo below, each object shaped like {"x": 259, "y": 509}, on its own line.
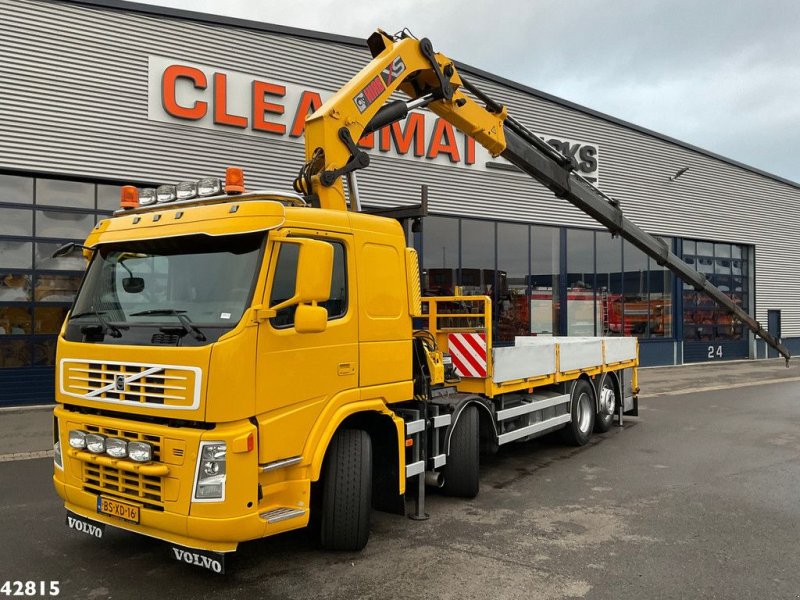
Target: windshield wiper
{"x": 180, "y": 315}
{"x": 104, "y": 325}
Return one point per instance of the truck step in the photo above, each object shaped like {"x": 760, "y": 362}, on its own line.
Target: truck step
{"x": 282, "y": 513}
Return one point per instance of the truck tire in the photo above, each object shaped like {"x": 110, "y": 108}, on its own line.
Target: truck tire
{"x": 347, "y": 491}
{"x": 461, "y": 473}
{"x": 579, "y": 430}
{"x": 605, "y": 416}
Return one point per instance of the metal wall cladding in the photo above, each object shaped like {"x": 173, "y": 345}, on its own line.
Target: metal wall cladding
{"x": 73, "y": 101}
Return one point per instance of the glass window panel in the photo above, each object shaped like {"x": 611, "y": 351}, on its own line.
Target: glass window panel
{"x": 108, "y": 197}
{"x": 439, "y": 255}
{"x": 15, "y": 320}
{"x": 48, "y": 319}
{"x": 705, "y": 248}
{"x": 660, "y": 293}
{"x": 545, "y": 275}
{"x": 15, "y": 287}
{"x": 16, "y": 189}
{"x": 581, "y": 313}
{"x": 283, "y": 286}
{"x": 63, "y": 224}
{"x": 44, "y": 352}
{"x": 14, "y": 353}
{"x": 477, "y": 258}
{"x": 44, "y": 258}
{"x": 16, "y": 221}
{"x": 54, "y": 192}
{"x": 511, "y": 312}
{"x": 15, "y": 255}
{"x": 635, "y": 286}
{"x": 689, "y": 247}
{"x": 56, "y": 288}
{"x": 736, "y": 251}
{"x": 722, "y": 250}
{"x": 609, "y": 283}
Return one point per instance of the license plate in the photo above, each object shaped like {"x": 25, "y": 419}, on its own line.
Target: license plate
{"x": 128, "y": 512}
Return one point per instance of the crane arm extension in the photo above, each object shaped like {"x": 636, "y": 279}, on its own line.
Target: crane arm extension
{"x": 579, "y": 192}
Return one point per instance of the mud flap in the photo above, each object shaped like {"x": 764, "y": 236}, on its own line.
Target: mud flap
{"x": 84, "y": 525}
{"x": 206, "y": 559}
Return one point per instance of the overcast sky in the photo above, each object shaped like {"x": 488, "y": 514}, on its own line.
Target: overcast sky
{"x": 723, "y": 75}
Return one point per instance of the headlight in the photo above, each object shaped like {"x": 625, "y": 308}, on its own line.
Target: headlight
{"x": 77, "y": 439}
{"x": 116, "y": 447}
{"x": 186, "y": 190}
{"x": 209, "y": 186}
{"x": 211, "y": 469}
{"x": 166, "y": 193}
{"x": 147, "y": 196}
{"x": 96, "y": 444}
{"x": 140, "y": 452}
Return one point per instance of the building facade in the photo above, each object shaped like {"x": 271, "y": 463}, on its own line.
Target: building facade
{"x": 101, "y": 93}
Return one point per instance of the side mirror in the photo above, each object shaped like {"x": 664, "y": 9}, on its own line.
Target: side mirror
{"x": 133, "y": 285}
{"x": 310, "y": 318}
{"x": 314, "y": 272}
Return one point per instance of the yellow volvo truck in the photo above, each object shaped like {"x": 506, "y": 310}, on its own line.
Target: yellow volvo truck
{"x": 240, "y": 363}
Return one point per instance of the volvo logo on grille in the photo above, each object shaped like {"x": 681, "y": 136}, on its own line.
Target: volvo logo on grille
{"x": 119, "y": 383}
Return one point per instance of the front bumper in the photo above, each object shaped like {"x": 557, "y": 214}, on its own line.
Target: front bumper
{"x": 163, "y": 490}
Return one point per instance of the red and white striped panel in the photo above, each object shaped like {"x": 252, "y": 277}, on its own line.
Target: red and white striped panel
{"x": 469, "y": 353}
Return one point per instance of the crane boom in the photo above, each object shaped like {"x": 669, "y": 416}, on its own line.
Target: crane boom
{"x": 431, "y": 79}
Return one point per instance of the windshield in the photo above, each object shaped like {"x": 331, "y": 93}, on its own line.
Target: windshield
{"x": 184, "y": 282}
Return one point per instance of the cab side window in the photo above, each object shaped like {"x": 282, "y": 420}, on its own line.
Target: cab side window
{"x": 283, "y": 286}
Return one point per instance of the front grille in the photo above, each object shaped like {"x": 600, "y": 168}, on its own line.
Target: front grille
{"x": 132, "y": 383}
{"x": 146, "y": 490}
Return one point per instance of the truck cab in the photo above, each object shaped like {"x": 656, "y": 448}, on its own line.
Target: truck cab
{"x": 212, "y": 352}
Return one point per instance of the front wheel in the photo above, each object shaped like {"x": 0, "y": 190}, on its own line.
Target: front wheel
{"x": 347, "y": 491}
{"x": 579, "y": 430}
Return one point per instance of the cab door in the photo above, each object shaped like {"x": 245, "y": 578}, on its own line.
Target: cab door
{"x": 297, "y": 374}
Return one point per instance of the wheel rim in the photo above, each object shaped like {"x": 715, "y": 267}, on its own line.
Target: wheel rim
{"x": 584, "y": 412}
{"x": 608, "y": 400}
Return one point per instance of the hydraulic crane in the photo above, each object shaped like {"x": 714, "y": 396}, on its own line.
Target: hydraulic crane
{"x": 431, "y": 80}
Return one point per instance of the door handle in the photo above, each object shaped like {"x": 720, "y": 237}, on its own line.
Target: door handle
{"x": 347, "y": 368}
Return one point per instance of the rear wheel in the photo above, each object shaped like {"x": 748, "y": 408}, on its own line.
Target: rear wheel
{"x": 347, "y": 491}
{"x": 462, "y": 469}
{"x": 606, "y": 405}
{"x": 579, "y": 430}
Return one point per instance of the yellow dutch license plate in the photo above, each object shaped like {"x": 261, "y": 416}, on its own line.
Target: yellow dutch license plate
{"x": 128, "y": 512}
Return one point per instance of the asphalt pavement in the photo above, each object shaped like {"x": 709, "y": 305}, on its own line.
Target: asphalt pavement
{"x": 695, "y": 498}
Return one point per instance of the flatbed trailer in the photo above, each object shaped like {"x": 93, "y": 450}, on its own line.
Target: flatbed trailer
{"x": 539, "y": 385}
